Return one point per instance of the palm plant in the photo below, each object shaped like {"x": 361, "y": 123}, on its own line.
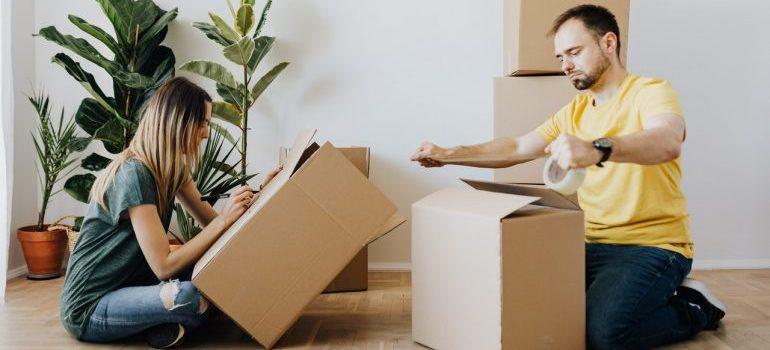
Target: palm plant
{"x": 139, "y": 65}
{"x": 53, "y": 146}
{"x": 212, "y": 177}
{"x": 246, "y": 50}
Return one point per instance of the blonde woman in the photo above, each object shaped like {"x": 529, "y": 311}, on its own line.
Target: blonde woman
{"x": 122, "y": 279}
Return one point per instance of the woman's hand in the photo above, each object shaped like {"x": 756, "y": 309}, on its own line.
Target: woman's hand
{"x": 239, "y": 201}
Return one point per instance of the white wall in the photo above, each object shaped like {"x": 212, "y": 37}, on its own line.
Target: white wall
{"x": 382, "y": 74}
{"x": 25, "y": 188}
{"x": 716, "y": 55}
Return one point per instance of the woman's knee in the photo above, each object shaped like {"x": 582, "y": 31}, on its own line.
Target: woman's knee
{"x": 182, "y": 297}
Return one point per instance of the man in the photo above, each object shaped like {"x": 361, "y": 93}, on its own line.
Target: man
{"x": 627, "y": 132}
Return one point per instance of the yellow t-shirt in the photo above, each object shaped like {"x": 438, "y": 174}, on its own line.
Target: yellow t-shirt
{"x": 628, "y": 203}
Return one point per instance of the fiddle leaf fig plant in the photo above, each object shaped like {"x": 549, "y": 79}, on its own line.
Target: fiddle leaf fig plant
{"x": 136, "y": 62}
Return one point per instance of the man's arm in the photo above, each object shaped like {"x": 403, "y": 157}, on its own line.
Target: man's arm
{"x": 659, "y": 142}
{"x": 498, "y": 153}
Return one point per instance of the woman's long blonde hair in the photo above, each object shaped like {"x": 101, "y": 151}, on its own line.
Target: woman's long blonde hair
{"x": 166, "y": 141}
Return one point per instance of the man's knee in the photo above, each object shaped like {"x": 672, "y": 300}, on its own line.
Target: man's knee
{"x": 606, "y": 330}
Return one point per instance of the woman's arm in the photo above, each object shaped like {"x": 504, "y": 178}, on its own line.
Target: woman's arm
{"x": 190, "y": 197}
{"x": 154, "y": 243}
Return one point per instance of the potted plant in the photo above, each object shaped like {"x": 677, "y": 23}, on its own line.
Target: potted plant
{"x": 212, "y": 177}
{"x": 44, "y": 248}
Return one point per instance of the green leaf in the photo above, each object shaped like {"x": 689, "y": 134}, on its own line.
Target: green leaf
{"x": 266, "y": 80}
{"x": 133, "y": 80}
{"x": 225, "y": 29}
{"x": 245, "y": 19}
{"x": 79, "y": 186}
{"x": 222, "y": 131}
{"x": 78, "y": 223}
{"x": 111, "y": 134}
{"x": 247, "y": 2}
{"x": 95, "y": 162}
{"x": 230, "y": 95}
{"x": 161, "y": 66}
{"x": 76, "y": 45}
{"x": 141, "y": 14}
{"x": 262, "y": 46}
{"x": 117, "y": 17}
{"x": 79, "y": 144}
{"x": 263, "y": 18}
{"x": 213, "y": 33}
{"x": 84, "y": 78}
{"x": 90, "y": 116}
{"x": 225, "y": 168}
{"x": 159, "y": 24}
{"x": 226, "y": 112}
{"x": 97, "y": 33}
{"x": 240, "y": 52}
{"x": 211, "y": 70}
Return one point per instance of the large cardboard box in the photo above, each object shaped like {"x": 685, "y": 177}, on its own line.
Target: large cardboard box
{"x": 305, "y": 226}
{"x": 355, "y": 276}
{"x": 527, "y": 49}
{"x": 521, "y": 104}
{"x": 490, "y": 271}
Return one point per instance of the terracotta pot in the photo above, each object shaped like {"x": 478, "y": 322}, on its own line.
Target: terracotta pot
{"x": 43, "y": 251}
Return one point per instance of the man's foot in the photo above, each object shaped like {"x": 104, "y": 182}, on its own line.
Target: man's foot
{"x": 165, "y": 336}
{"x": 696, "y": 292}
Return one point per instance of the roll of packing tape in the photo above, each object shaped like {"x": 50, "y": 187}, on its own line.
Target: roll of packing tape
{"x": 560, "y": 180}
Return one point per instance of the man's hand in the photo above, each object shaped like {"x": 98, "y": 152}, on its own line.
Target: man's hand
{"x": 573, "y": 153}
{"x": 427, "y": 153}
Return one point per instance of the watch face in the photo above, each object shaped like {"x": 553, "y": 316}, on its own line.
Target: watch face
{"x": 604, "y": 143}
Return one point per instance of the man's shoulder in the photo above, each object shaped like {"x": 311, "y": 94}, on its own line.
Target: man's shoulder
{"x": 640, "y": 84}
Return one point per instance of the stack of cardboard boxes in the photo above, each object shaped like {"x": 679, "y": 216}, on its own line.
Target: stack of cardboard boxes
{"x": 501, "y": 265}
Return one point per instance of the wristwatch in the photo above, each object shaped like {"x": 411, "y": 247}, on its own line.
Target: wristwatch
{"x": 604, "y": 145}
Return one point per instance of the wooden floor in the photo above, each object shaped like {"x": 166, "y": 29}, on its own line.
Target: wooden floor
{"x": 377, "y": 319}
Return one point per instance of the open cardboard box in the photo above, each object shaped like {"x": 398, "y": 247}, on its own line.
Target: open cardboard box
{"x": 500, "y": 266}
{"x": 298, "y": 234}
{"x": 355, "y": 275}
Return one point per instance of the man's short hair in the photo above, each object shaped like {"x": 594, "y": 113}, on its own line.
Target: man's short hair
{"x": 597, "y": 19}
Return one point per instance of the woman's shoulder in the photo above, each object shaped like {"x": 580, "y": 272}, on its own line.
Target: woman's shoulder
{"x": 134, "y": 169}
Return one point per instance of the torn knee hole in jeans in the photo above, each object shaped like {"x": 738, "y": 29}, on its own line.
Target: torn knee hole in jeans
{"x": 169, "y": 292}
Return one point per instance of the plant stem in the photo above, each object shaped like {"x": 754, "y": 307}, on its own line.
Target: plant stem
{"x": 245, "y": 119}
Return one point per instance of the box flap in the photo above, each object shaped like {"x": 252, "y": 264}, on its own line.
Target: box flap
{"x": 547, "y": 197}
{"x": 472, "y": 202}
{"x": 301, "y": 142}
{"x": 395, "y": 221}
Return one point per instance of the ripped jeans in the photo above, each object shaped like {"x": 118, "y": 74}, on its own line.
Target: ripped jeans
{"x": 129, "y": 311}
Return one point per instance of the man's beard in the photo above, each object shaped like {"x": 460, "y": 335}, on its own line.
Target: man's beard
{"x": 592, "y": 77}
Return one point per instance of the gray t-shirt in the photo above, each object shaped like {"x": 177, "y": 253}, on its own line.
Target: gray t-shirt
{"x": 107, "y": 256}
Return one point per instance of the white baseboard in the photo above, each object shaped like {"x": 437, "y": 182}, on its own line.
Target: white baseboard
{"x": 385, "y": 266}
{"x": 746, "y": 264}
{"x": 731, "y": 264}
{"x": 16, "y": 272}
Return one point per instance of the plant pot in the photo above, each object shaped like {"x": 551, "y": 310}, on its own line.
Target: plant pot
{"x": 43, "y": 251}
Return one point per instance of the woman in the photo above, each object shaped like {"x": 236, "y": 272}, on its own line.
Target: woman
{"x": 122, "y": 278}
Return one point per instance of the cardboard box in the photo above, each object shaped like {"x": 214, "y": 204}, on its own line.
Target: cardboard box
{"x": 527, "y": 49}
{"x": 355, "y": 276}
{"x": 305, "y": 226}
{"x": 490, "y": 271}
{"x": 521, "y": 104}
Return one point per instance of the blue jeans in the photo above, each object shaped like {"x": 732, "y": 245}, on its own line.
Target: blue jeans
{"x": 630, "y": 302}
{"x": 129, "y": 311}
